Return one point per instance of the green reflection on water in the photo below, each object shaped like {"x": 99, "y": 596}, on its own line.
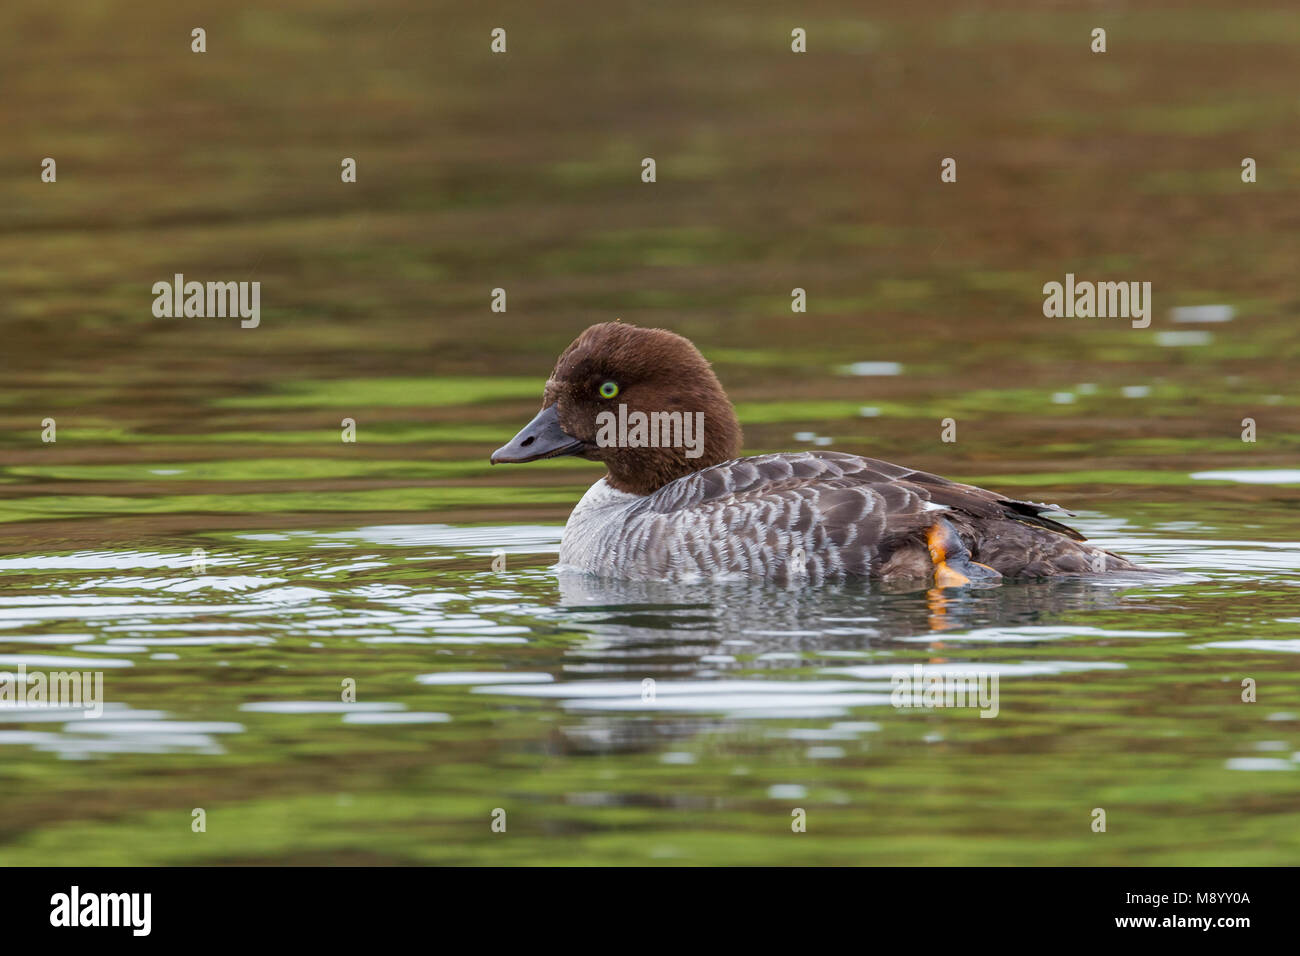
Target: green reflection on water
{"x": 775, "y": 173}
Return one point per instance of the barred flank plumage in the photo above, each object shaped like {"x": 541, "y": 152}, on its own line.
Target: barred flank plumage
{"x": 823, "y": 514}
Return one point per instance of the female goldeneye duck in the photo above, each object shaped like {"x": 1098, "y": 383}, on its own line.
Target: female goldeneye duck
{"x": 678, "y": 504}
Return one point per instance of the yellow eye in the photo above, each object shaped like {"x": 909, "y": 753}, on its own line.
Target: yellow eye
{"x": 608, "y": 389}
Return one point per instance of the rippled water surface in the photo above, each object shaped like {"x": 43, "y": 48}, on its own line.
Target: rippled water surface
{"x": 199, "y": 533}
{"x": 522, "y": 689}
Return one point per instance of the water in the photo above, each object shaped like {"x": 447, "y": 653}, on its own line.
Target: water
{"x": 523, "y": 689}
{"x": 332, "y": 569}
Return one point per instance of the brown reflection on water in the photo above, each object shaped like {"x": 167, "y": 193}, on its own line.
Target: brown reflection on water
{"x": 776, "y": 171}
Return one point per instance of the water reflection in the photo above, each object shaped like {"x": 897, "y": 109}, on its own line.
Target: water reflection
{"x": 733, "y": 650}
{"x": 837, "y": 616}
{"x": 765, "y": 689}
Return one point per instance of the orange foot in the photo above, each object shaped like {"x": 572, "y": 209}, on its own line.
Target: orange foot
{"x": 953, "y": 567}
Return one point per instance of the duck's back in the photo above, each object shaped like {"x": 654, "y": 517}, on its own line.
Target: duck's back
{"x": 814, "y": 514}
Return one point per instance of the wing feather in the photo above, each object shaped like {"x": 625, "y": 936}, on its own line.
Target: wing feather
{"x": 847, "y": 513}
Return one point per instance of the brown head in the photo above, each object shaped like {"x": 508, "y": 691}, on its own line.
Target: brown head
{"x": 664, "y": 385}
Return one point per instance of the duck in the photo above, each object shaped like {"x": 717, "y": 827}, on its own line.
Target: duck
{"x": 678, "y": 502}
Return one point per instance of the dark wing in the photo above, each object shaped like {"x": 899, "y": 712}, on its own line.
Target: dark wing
{"x": 985, "y": 504}
{"x": 847, "y": 513}
{"x": 830, "y": 469}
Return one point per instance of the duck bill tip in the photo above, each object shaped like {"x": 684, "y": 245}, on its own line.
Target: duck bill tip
{"x": 541, "y": 438}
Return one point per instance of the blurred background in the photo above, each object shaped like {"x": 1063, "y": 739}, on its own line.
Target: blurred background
{"x": 522, "y": 171}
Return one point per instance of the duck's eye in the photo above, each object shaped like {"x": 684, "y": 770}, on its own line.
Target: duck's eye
{"x": 608, "y": 389}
